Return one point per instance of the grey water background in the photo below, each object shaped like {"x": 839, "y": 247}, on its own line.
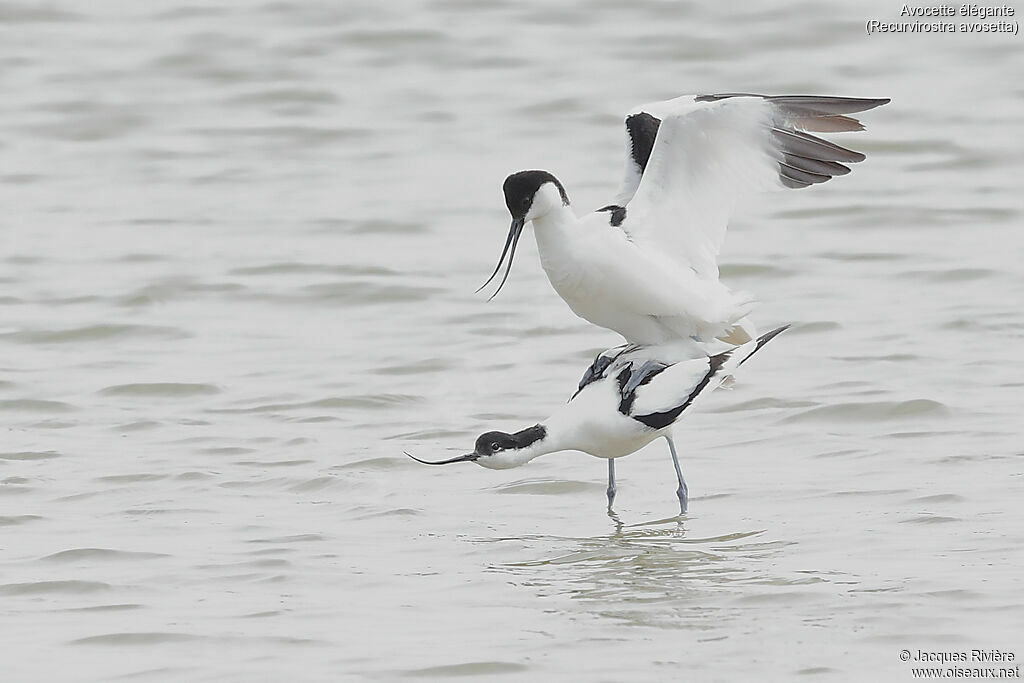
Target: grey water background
{"x": 238, "y": 253}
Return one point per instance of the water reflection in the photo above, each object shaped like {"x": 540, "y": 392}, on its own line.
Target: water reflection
{"x": 652, "y": 573}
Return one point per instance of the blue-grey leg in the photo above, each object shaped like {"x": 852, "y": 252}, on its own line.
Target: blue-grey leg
{"x": 681, "y": 491}
{"x": 611, "y": 481}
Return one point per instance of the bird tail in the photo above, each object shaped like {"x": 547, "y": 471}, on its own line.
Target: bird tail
{"x": 750, "y": 348}
{"x": 729, "y": 360}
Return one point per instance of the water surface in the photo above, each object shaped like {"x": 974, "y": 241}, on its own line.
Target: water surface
{"x": 240, "y": 246}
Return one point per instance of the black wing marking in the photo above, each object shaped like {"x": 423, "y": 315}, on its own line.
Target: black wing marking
{"x": 632, "y": 378}
{"x": 618, "y": 214}
{"x": 641, "y": 132}
{"x": 807, "y": 159}
{"x": 642, "y": 129}
{"x": 594, "y": 372}
{"x": 661, "y": 420}
{"x": 664, "y": 419}
{"x": 599, "y": 368}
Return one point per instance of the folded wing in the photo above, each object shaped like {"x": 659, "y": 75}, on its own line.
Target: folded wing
{"x": 656, "y": 393}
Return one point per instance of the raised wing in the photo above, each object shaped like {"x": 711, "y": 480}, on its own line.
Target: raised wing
{"x": 689, "y": 160}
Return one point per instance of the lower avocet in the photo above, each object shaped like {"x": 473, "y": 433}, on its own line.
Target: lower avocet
{"x": 627, "y": 398}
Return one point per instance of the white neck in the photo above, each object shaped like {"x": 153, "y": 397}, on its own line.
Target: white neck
{"x": 558, "y": 244}
{"x": 557, "y": 218}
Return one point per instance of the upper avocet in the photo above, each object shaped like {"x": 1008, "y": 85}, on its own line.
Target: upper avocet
{"x": 646, "y": 266}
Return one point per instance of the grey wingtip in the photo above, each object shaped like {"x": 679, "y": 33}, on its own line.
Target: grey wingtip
{"x": 845, "y": 105}
{"x": 873, "y": 102}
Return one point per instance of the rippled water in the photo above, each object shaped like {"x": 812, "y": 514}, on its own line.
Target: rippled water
{"x": 240, "y": 243}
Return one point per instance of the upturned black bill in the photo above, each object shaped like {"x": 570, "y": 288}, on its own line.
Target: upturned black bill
{"x": 513, "y": 239}
{"x": 462, "y": 458}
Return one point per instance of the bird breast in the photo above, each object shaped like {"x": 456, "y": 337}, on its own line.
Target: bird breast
{"x": 593, "y": 424}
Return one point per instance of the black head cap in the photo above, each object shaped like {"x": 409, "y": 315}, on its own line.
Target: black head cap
{"x": 490, "y": 443}
{"x": 520, "y": 188}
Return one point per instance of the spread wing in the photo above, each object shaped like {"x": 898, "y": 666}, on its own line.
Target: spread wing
{"x": 689, "y": 160}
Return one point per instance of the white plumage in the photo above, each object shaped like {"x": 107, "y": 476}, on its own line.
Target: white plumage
{"x": 646, "y": 266}
{"x": 628, "y": 397}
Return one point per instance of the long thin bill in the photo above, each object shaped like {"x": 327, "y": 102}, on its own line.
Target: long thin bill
{"x": 517, "y": 229}
{"x": 511, "y": 241}
{"x": 462, "y": 458}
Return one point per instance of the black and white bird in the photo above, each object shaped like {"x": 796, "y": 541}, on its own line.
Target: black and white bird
{"x": 646, "y": 265}
{"x": 627, "y": 398}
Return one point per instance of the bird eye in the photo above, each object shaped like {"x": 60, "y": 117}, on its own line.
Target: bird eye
{"x": 495, "y": 446}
